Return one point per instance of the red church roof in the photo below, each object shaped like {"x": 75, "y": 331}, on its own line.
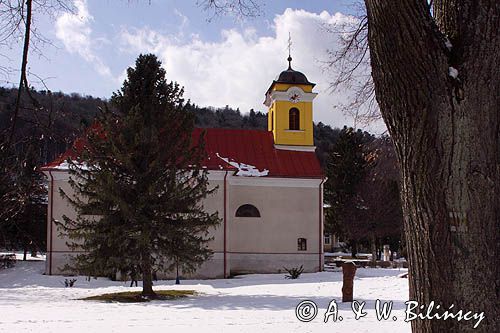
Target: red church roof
{"x": 241, "y": 150}
{"x": 256, "y": 148}
{"x": 70, "y": 153}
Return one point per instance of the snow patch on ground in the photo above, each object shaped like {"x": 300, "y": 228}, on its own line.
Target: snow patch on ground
{"x": 32, "y": 302}
{"x": 245, "y": 170}
{"x": 20, "y": 255}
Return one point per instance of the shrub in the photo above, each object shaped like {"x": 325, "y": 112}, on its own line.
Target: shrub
{"x": 293, "y": 273}
{"x": 69, "y": 282}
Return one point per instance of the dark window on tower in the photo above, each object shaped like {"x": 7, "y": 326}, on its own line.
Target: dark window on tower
{"x": 302, "y": 244}
{"x": 294, "y": 119}
{"x": 247, "y": 211}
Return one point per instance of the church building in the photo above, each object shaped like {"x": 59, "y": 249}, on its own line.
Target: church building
{"x": 269, "y": 196}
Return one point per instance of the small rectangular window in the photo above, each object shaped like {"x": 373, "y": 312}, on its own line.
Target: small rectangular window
{"x": 328, "y": 239}
{"x": 302, "y": 244}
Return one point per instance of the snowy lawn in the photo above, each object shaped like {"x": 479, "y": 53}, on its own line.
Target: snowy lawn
{"x": 32, "y": 302}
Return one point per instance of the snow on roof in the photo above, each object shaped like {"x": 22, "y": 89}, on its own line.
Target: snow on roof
{"x": 254, "y": 149}
{"x": 66, "y": 166}
{"x": 245, "y": 169}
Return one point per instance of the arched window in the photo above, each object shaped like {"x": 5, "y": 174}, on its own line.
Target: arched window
{"x": 247, "y": 211}
{"x": 294, "y": 119}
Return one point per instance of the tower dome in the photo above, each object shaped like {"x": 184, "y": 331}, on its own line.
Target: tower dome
{"x": 291, "y": 76}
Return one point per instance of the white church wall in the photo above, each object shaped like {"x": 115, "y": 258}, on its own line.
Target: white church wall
{"x": 58, "y": 252}
{"x": 289, "y": 210}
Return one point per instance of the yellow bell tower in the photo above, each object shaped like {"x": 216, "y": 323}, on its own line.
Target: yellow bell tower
{"x": 290, "y": 116}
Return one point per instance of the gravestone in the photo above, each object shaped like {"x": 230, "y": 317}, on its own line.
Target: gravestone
{"x": 387, "y": 252}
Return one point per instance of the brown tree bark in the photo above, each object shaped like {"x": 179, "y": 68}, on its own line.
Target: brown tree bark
{"x": 147, "y": 276}
{"x": 373, "y": 244}
{"x": 24, "y": 62}
{"x": 446, "y": 134}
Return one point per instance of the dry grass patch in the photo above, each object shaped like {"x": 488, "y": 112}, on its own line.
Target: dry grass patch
{"x": 136, "y": 296}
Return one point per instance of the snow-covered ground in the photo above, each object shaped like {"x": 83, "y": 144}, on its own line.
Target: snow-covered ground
{"x": 32, "y": 302}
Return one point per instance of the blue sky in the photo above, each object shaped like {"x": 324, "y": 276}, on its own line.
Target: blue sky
{"x": 223, "y": 61}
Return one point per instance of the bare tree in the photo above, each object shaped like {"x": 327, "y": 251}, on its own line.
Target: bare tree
{"x": 435, "y": 76}
{"x": 432, "y": 69}
{"x": 22, "y": 189}
{"x": 237, "y": 8}
{"x": 17, "y": 23}
{"x": 434, "y": 66}
{"x": 349, "y": 67}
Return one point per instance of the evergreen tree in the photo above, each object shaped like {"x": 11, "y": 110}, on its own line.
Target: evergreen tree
{"x": 139, "y": 184}
{"x": 346, "y": 167}
{"x": 380, "y": 220}
{"x": 362, "y": 190}
{"x": 324, "y": 139}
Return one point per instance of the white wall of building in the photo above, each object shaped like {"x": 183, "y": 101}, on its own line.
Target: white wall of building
{"x": 290, "y": 209}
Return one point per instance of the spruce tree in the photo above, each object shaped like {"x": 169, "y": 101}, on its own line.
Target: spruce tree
{"x": 346, "y": 167}
{"x": 379, "y": 218}
{"x": 139, "y": 183}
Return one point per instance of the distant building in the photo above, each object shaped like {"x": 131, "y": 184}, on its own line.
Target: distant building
{"x": 270, "y": 190}
{"x": 331, "y": 243}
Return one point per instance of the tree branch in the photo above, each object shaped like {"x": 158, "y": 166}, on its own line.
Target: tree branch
{"x": 22, "y": 79}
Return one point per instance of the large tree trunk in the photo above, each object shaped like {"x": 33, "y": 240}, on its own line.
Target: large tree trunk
{"x": 22, "y": 77}
{"x": 373, "y": 243}
{"x": 446, "y": 134}
{"x": 147, "y": 276}
{"x": 354, "y": 248}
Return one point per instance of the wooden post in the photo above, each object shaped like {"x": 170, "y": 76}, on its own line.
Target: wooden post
{"x": 348, "y": 271}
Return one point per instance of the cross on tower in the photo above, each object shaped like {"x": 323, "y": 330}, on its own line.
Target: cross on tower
{"x": 289, "y": 51}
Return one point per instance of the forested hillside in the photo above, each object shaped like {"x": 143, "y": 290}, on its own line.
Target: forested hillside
{"x": 64, "y": 116}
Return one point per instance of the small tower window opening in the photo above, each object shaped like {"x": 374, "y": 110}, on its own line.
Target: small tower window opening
{"x": 302, "y": 244}
{"x": 247, "y": 211}
{"x": 294, "y": 119}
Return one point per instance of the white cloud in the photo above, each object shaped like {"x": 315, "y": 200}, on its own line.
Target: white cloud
{"x": 238, "y": 69}
{"x": 74, "y": 31}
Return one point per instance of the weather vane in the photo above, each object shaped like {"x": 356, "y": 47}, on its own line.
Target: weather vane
{"x": 289, "y": 50}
